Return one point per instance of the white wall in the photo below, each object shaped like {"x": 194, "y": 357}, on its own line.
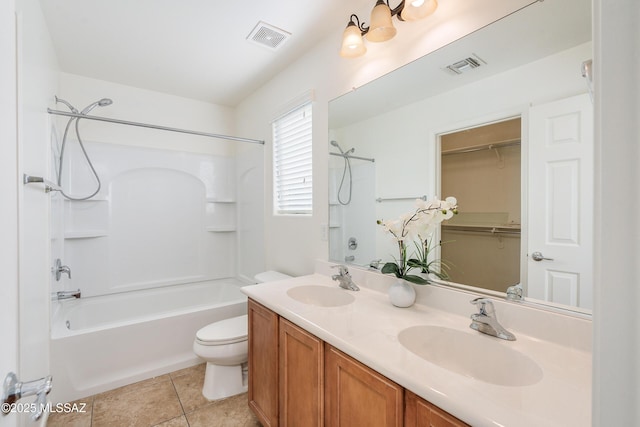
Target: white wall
{"x": 37, "y": 82}
{"x": 8, "y": 192}
{"x": 616, "y": 362}
{"x": 293, "y": 243}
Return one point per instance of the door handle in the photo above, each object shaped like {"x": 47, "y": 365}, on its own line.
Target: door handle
{"x": 537, "y": 256}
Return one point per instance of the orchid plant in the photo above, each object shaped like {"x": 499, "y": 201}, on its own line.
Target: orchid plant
{"x": 418, "y": 227}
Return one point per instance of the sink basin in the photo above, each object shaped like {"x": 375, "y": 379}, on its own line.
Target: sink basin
{"x": 474, "y": 355}
{"x": 321, "y": 296}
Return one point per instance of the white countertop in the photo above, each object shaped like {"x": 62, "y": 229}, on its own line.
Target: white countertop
{"x": 367, "y": 330}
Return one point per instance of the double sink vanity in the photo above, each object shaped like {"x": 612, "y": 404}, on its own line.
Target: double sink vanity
{"x": 323, "y": 355}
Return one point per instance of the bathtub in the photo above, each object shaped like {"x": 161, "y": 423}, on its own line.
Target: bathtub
{"x": 101, "y": 343}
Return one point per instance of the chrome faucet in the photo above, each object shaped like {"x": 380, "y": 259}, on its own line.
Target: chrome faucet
{"x": 375, "y": 264}
{"x": 485, "y": 320}
{"x": 514, "y": 293}
{"x": 62, "y": 295}
{"x": 60, "y": 269}
{"x": 344, "y": 278}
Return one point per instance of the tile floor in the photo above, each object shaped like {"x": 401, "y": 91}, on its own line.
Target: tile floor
{"x": 172, "y": 400}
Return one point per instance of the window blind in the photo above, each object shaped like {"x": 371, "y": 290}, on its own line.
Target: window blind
{"x": 292, "y": 162}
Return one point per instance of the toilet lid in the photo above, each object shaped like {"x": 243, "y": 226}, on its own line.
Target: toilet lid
{"x": 227, "y": 331}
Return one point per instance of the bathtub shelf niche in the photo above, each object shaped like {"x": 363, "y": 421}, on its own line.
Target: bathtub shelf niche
{"x": 85, "y": 234}
{"x": 217, "y": 200}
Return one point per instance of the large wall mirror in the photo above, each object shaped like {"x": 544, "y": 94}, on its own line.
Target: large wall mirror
{"x": 500, "y": 119}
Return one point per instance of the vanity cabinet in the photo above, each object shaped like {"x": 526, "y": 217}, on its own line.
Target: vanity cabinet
{"x": 296, "y": 379}
{"x": 356, "y": 395}
{"x": 263, "y": 363}
{"x": 285, "y": 371}
{"x": 301, "y": 375}
{"x": 420, "y": 413}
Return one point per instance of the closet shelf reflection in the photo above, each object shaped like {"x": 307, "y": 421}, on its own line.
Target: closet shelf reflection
{"x": 491, "y": 229}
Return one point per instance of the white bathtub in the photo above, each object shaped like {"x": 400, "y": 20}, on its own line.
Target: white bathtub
{"x": 101, "y": 343}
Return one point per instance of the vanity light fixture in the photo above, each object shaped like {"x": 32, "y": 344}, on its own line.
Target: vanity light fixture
{"x": 381, "y": 28}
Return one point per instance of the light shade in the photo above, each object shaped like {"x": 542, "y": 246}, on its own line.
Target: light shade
{"x": 381, "y": 28}
{"x": 418, "y": 9}
{"x": 352, "y": 43}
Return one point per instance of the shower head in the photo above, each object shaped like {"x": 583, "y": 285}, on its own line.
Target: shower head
{"x": 71, "y": 107}
{"x": 101, "y": 103}
{"x": 335, "y": 144}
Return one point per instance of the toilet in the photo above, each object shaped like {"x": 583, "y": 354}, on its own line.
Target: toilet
{"x": 224, "y": 346}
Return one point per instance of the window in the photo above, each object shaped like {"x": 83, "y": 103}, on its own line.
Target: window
{"x": 292, "y": 172}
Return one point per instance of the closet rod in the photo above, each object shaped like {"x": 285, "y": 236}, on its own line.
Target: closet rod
{"x": 146, "y": 125}
{"x": 349, "y": 156}
{"x": 481, "y": 147}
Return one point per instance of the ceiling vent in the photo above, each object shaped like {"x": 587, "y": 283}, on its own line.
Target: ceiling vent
{"x": 459, "y": 67}
{"x": 268, "y": 36}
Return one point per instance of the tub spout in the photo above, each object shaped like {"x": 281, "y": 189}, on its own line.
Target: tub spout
{"x": 62, "y": 295}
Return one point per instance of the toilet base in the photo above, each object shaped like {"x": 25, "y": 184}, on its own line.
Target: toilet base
{"x": 223, "y": 381}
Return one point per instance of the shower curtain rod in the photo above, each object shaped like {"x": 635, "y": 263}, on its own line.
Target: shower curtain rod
{"x": 352, "y": 157}
{"x": 146, "y": 125}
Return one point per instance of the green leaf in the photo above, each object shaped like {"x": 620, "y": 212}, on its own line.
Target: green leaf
{"x": 391, "y": 268}
{"x": 416, "y": 279}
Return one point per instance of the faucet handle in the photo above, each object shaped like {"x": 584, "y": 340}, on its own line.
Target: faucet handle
{"x": 342, "y": 269}
{"x": 485, "y": 306}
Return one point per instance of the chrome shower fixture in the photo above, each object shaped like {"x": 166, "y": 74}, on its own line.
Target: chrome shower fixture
{"x": 347, "y": 167}
{"x": 101, "y": 103}
{"x": 335, "y": 144}
{"x": 71, "y": 107}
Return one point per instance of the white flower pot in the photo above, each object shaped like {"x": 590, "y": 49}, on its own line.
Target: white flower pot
{"x": 402, "y": 294}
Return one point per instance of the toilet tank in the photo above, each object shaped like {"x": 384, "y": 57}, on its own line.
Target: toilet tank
{"x": 270, "y": 276}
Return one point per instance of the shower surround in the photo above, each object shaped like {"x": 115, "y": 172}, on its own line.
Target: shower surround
{"x": 161, "y": 218}
{"x": 163, "y": 222}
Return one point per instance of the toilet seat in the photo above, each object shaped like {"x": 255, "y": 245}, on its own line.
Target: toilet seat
{"x": 227, "y": 331}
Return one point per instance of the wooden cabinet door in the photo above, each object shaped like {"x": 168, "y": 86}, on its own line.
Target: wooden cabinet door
{"x": 356, "y": 395}
{"x": 420, "y": 413}
{"x": 263, "y": 363}
{"x": 301, "y": 377}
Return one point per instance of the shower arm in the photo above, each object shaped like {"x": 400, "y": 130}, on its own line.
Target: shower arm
{"x": 151, "y": 126}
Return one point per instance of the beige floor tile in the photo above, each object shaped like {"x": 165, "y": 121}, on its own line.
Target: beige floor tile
{"x": 70, "y": 415}
{"x": 188, "y": 371}
{"x": 133, "y": 387}
{"x": 146, "y": 403}
{"x": 175, "y": 422}
{"x": 231, "y": 412}
{"x": 71, "y": 419}
{"x": 189, "y": 388}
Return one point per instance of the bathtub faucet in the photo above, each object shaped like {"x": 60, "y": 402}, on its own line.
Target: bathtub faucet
{"x": 62, "y": 295}
{"x": 60, "y": 269}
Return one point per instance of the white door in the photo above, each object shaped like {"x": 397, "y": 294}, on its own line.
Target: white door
{"x": 561, "y": 180}
{"x": 8, "y": 207}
